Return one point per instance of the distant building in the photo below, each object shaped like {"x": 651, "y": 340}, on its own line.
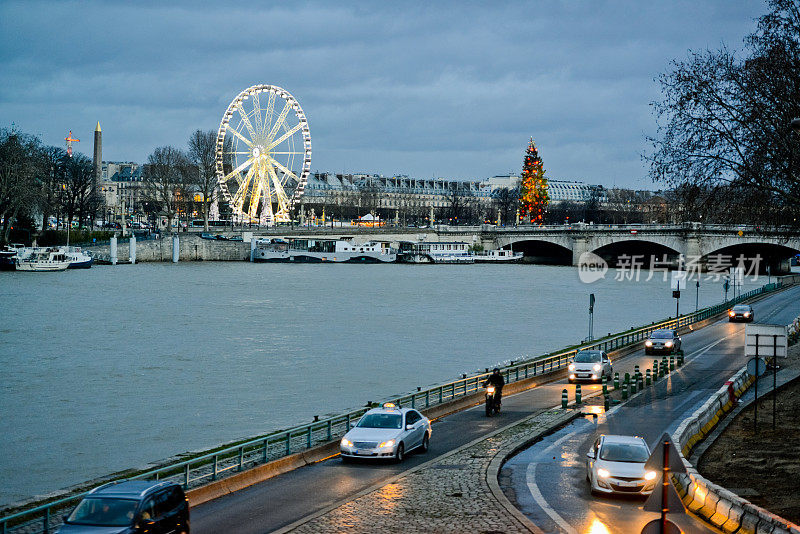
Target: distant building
{"x": 121, "y": 184}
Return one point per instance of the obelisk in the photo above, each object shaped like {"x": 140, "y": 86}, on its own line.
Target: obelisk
{"x": 98, "y": 163}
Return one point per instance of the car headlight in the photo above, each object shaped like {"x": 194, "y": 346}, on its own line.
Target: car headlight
{"x": 571, "y": 367}
{"x": 603, "y": 473}
{"x": 650, "y": 475}
{"x": 389, "y": 443}
{"x": 597, "y": 367}
{"x": 747, "y": 314}
{"x": 648, "y": 343}
{"x": 668, "y": 344}
{"x": 346, "y": 442}
{"x": 731, "y": 313}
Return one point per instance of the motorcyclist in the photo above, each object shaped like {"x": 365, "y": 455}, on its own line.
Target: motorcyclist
{"x": 496, "y": 380}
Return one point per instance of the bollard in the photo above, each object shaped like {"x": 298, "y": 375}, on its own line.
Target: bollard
{"x": 655, "y": 370}
{"x": 636, "y": 370}
{"x": 564, "y": 398}
{"x": 624, "y": 391}
{"x": 112, "y": 249}
{"x": 627, "y": 378}
{"x": 605, "y": 385}
{"x": 577, "y": 393}
{"x": 680, "y": 358}
{"x": 641, "y": 382}
{"x": 606, "y": 402}
{"x": 132, "y": 249}
{"x": 671, "y": 363}
{"x": 616, "y": 381}
{"x": 175, "y": 249}
{"x": 647, "y": 378}
{"x": 634, "y": 383}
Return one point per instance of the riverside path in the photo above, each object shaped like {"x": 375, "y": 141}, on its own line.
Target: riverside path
{"x": 290, "y": 497}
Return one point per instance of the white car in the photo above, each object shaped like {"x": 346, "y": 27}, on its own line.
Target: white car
{"x": 615, "y": 465}
{"x": 387, "y": 432}
{"x": 590, "y": 365}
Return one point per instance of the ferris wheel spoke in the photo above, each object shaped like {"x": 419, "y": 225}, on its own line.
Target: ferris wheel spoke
{"x": 290, "y": 153}
{"x": 285, "y": 136}
{"x": 280, "y": 194}
{"x": 279, "y": 122}
{"x": 244, "y": 153}
{"x": 257, "y": 113}
{"x": 246, "y": 121}
{"x": 278, "y": 164}
{"x": 269, "y": 113}
{"x": 238, "y": 169}
{"x": 244, "y": 185}
{"x": 240, "y": 136}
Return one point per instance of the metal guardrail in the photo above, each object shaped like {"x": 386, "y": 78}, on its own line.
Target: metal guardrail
{"x": 214, "y": 465}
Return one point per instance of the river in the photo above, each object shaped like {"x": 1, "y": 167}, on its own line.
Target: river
{"x": 116, "y": 367}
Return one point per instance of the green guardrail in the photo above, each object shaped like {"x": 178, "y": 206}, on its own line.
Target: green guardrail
{"x": 209, "y": 467}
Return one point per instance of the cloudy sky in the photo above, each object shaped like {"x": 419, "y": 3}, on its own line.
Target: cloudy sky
{"x": 445, "y": 89}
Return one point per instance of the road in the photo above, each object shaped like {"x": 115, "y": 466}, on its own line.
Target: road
{"x": 286, "y": 498}
{"x": 547, "y": 481}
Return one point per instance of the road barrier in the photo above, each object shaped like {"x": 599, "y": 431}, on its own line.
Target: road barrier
{"x": 723, "y": 508}
{"x": 207, "y": 468}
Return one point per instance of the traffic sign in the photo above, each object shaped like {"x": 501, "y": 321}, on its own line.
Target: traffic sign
{"x": 656, "y": 460}
{"x": 655, "y": 502}
{"x": 655, "y": 527}
{"x": 756, "y": 366}
{"x": 678, "y": 281}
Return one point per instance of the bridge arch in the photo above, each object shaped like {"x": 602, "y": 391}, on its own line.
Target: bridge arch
{"x": 541, "y": 251}
{"x": 755, "y": 255}
{"x": 646, "y": 252}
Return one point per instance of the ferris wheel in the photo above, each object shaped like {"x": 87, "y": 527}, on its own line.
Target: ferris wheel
{"x": 263, "y": 154}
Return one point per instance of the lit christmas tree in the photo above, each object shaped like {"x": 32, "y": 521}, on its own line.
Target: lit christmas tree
{"x": 533, "y": 194}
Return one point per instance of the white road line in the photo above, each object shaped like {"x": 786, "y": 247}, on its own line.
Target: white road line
{"x": 530, "y": 479}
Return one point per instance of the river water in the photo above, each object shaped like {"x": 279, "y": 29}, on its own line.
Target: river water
{"x": 116, "y": 367}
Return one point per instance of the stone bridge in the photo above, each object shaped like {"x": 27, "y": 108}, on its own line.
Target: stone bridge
{"x": 562, "y": 244}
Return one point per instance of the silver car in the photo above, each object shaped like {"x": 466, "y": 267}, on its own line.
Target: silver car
{"x": 666, "y": 341}
{"x": 615, "y": 464}
{"x": 590, "y": 365}
{"x": 387, "y": 432}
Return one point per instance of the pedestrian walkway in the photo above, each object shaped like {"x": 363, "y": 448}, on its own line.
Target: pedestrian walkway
{"x": 449, "y": 494}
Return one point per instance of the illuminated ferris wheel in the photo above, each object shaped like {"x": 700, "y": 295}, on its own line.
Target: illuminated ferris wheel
{"x": 263, "y": 154}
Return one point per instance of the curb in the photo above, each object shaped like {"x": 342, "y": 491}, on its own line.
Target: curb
{"x": 425, "y": 465}
{"x": 715, "y": 504}
{"x": 509, "y": 450}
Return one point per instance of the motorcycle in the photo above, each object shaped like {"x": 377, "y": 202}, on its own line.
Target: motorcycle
{"x": 492, "y": 406}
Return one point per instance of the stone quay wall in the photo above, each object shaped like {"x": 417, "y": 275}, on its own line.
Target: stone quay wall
{"x": 191, "y": 248}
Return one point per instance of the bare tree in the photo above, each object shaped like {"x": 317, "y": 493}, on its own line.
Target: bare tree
{"x": 77, "y": 188}
{"x": 506, "y": 201}
{"x": 202, "y": 148}
{"x": 20, "y": 173}
{"x": 724, "y": 120}
{"x": 164, "y": 180}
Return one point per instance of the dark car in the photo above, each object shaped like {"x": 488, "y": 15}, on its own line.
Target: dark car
{"x": 128, "y": 507}
{"x": 741, "y": 312}
{"x": 666, "y": 341}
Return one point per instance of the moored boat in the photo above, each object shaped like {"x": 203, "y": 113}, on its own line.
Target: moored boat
{"x": 498, "y": 256}
{"x": 78, "y": 259}
{"x": 50, "y": 259}
{"x": 437, "y": 252}
{"x": 322, "y": 251}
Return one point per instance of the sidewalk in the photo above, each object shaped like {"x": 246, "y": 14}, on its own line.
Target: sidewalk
{"x": 449, "y": 494}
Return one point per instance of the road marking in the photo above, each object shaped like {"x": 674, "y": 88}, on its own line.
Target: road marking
{"x": 530, "y": 480}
